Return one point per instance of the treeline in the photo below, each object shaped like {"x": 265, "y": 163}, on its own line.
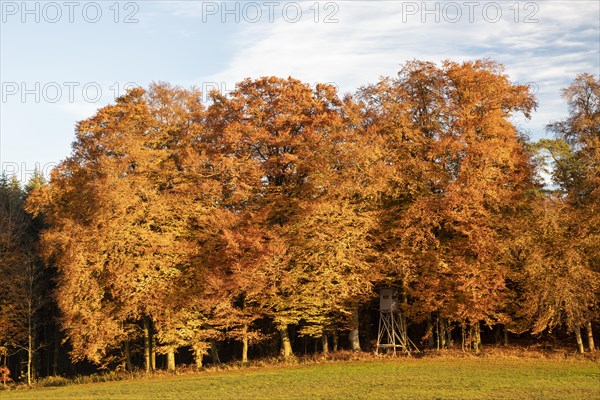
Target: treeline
{"x": 274, "y": 214}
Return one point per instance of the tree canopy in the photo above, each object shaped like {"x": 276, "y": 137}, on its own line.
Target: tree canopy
{"x": 277, "y": 210}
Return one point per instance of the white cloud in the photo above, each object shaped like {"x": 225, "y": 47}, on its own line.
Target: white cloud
{"x": 80, "y": 110}
{"x": 370, "y": 41}
{"x": 176, "y": 42}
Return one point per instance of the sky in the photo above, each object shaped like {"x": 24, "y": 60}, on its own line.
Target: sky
{"x": 62, "y": 60}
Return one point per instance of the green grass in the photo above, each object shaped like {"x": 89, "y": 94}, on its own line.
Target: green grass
{"x": 404, "y": 378}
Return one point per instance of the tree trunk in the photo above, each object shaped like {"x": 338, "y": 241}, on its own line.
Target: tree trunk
{"x": 214, "y": 352}
{"x": 404, "y": 296}
{"x": 48, "y": 366}
{"x": 56, "y": 352}
{"x": 437, "y": 333}
{"x": 147, "y": 345}
{"x": 152, "y": 347}
{"x": 171, "y": 359}
{"x": 198, "y": 354}
{"x": 198, "y": 360}
{"x": 245, "y": 344}
{"x": 506, "y": 343}
{"x": 325, "y": 343}
{"x": 30, "y": 344}
{"x": 335, "y": 340}
{"x": 429, "y": 333}
{"x": 354, "y": 336}
{"x": 449, "y": 342}
{"x": 578, "y": 337}
{"x": 590, "y": 336}
{"x": 128, "y": 364}
{"x": 442, "y": 324}
{"x": 476, "y": 337}
{"x": 35, "y": 360}
{"x": 286, "y": 345}
{"x": 29, "y": 357}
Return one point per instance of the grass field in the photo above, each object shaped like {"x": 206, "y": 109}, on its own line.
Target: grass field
{"x": 405, "y": 378}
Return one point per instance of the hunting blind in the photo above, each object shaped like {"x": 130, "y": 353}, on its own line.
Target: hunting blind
{"x": 392, "y": 326}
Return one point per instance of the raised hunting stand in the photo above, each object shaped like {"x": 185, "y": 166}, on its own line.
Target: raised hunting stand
{"x": 392, "y": 330}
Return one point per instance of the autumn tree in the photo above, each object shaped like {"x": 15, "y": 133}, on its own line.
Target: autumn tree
{"x": 333, "y": 238}
{"x": 575, "y": 158}
{"x": 403, "y": 126}
{"x": 451, "y": 187}
{"x": 119, "y": 226}
{"x": 559, "y": 285}
{"x": 294, "y": 136}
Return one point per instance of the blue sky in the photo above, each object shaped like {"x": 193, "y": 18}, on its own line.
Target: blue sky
{"x": 60, "y": 61}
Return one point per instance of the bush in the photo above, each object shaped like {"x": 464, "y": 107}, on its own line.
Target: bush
{"x": 49, "y": 381}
